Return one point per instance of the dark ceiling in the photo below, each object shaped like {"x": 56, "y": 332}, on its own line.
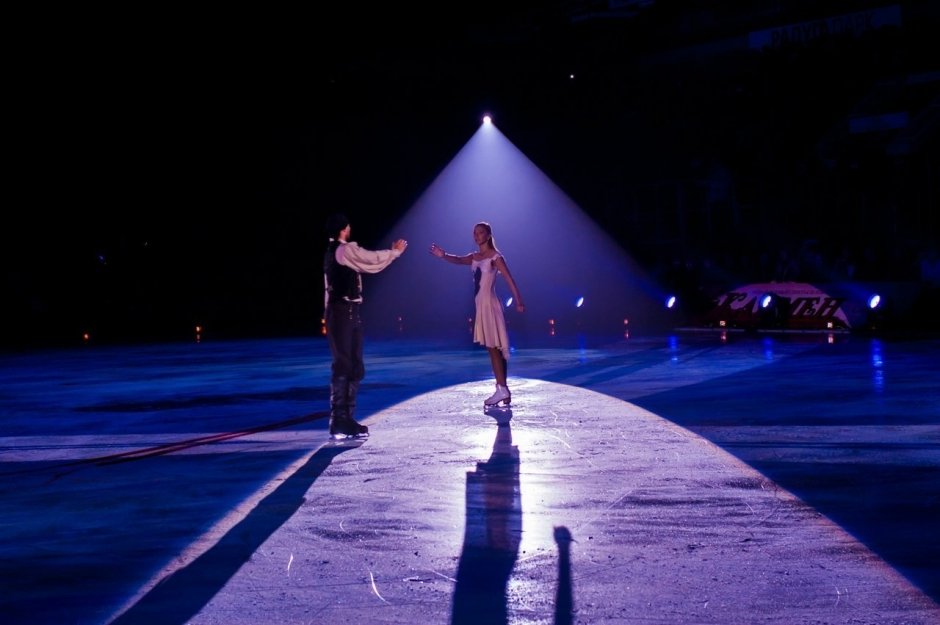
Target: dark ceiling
{"x": 171, "y": 162}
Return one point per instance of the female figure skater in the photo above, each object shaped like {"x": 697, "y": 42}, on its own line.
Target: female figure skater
{"x": 489, "y": 326}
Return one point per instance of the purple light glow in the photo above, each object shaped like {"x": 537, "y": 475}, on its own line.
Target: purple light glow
{"x": 554, "y": 252}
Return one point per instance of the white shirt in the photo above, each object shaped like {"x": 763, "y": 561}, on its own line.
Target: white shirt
{"x": 360, "y": 260}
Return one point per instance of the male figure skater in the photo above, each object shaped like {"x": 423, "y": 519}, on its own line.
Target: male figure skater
{"x": 343, "y": 265}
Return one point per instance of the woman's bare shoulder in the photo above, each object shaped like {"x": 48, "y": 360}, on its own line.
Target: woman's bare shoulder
{"x": 489, "y": 255}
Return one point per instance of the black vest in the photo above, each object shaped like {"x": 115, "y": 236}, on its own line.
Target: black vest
{"x": 341, "y": 281}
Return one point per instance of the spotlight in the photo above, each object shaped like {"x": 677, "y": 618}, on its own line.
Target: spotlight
{"x": 579, "y": 302}
{"x": 875, "y": 317}
{"x": 774, "y": 311}
{"x": 671, "y": 301}
{"x": 487, "y": 119}
{"x": 508, "y": 302}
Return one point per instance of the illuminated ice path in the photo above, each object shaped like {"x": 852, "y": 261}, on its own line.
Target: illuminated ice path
{"x": 447, "y": 514}
{"x": 663, "y": 479}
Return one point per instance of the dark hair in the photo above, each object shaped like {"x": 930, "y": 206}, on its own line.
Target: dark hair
{"x": 335, "y": 223}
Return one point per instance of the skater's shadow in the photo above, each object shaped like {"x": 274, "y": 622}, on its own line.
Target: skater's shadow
{"x": 503, "y": 415}
{"x": 492, "y": 535}
{"x": 176, "y": 599}
{"x": 564, "y": 598}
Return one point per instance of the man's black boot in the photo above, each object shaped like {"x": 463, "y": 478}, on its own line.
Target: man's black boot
{"x": 353, "y": 387}
{"x": 339, "y": 407}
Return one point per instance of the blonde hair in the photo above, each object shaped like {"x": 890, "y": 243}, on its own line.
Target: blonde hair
{"x": 489, "y": 231}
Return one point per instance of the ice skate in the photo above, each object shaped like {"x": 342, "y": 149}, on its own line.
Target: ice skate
{"x": 342, "y": 405}
{"x": 502, "y": 394}
{"x": 347, "y": 428}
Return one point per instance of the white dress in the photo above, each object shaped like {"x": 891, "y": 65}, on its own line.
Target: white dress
{"x": 489, "y": 326}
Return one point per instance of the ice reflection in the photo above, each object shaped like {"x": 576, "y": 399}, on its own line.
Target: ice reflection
{"x": 877, "y": 366}
{"x": 674, "y": 348}
{"x": 492, "y": 535}
{"x": 768, "y": 344}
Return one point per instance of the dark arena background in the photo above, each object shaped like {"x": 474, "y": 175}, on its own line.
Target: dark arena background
{"x": 171, "y": 173}
{"x": 724, "y": 219}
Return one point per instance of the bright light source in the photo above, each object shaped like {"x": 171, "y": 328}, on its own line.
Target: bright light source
{"x": 874, "y": 301}
{"x": 508, "y": 302}
{"x": 487, "y": 119}
{"x": 671, "y": 301}
{"x": 766, "y": 300}
{"x": 579, "y": 302}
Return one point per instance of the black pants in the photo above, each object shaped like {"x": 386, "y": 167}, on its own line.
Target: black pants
{"x": 344, "y": 333}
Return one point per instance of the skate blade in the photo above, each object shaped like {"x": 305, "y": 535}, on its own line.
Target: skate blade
{"x": 347, "y": 437}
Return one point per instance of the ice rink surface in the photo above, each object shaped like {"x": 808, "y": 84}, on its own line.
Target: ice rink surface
{"x": 688, "y": 478}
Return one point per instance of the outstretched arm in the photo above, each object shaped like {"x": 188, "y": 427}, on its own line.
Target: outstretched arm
{"x": 451, "y": 258}
{"x": 369, "y": 261}
{"x": 500, "y": 263}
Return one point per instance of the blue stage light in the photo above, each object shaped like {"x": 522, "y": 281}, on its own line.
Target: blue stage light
{"x": 508, "y": 302}
{"x": 671, "y": 301}
{"x": 487, "y": 119}
{"x": 874, "y": 301}
{"x": 579, "y": 302}
{"x": 766, "y": 300}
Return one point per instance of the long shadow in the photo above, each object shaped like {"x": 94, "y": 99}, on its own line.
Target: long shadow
{"x": 564, "y": 595}
{"x": 612, "y": 366}
{"x": 300, "y": 394}
{"x": 184, "y": 593}
{"x": 492, "y": 535}
{"x": 889, "y": 502}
